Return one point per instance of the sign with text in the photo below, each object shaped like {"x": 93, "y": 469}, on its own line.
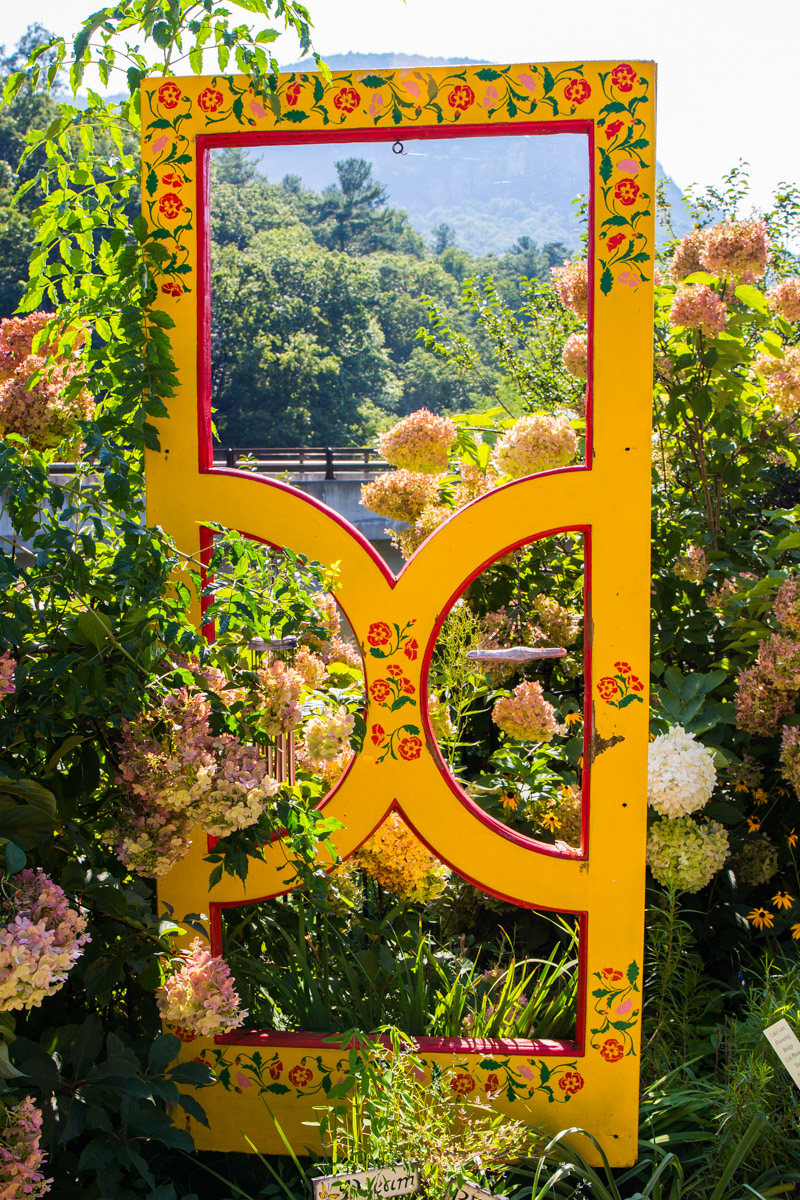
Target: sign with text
{"x": 379, "y": 1182}
{"x": 785, "y": 1043}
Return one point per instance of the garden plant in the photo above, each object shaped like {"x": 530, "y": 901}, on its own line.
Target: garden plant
{"x": 123, "y": 725}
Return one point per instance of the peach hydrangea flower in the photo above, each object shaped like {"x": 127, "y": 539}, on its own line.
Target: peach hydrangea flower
{"x": 784, "y": 298}
{"x": 686, "y": 256}
{"x": 396, "y": 859}
{"x": 575, "y": 355}
{"x": 693, "y": 567}
{"x": 538, "y": 442}
{"x": 782, "y": 378}
{"x": 20, "y": 1155}
{"x": 525, "y": 715}
{"x": 571, "y": 281}
{"x": 419, "y": 442}
{"x": 326, "y": 734}
{"x": 400, "y": 495}
{"x": 199, "y": 994}
{"x": 696, "y": 306}
{"x": 737, "y": 250}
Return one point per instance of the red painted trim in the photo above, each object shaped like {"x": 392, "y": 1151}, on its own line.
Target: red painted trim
{"x": 543, "y": 1048}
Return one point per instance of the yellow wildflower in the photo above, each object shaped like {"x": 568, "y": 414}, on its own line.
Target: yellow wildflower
{"x": 783, "y": 900}
{"x": 740, "y": 786}
{"x": 551, "y": 822}
{"x": 753, "y": 824}
{"x": 573, "y": 718}
{"x": 761, "y": 918}
{"x": 509, "y": 800}
{"x": 791, "y": 838}
{"x": 760, "y": 796}
{"x": 796, "y": 931}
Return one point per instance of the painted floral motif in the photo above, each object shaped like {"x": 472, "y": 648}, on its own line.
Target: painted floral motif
{"x": 404, "y": 742}
{"x": 386, "y": 640}
{"x": 395, "y": 692}
{"x": 621, "y": 689}
{"x": 517, "y": 1078}
{"x": 395, "y": 97}
{"x": 617, "y": 1007}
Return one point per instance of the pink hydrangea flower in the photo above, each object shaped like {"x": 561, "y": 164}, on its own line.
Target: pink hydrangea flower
{"x": 46, "y": 411}
{"x": 737, "y": 250}
{"x": 693, "y": 566}
{"x": 696, "y": 306}
{"x": 686, "y": 256}
{"x": 400, "y": 495}
{"x": 277, "y": 698}
{"x": 326, "y": 735}
{"x": 8, "y": 665}
{"x": 420, "y": 442}
{"x": 784, "y": 298}
{"x": 538, "y": 442}
{"x": 575, "y": 355}
{"x": 526, "y": 715}
{"x": 21, "y": 1157}
{"x": 571, "y": 281}
{"x": 199, "y": 994}
{"x": 41, "y": 941}
{"x": 782, "y": 378}
{"x": 786, "y": 606}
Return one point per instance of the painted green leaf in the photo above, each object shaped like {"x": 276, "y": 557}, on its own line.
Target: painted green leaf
{"x": 626, "y": 700}
{"x": 632, "y": 972}
{"x": 512, "y": 108}
{"x": 374, "y": 81}
{"x": 400, "y": 702}
{"x": 487, "y": 74}
{"x": 606, "y": 166}
{"x": 152, "y": 182}
{"x": 238, "y": 109}
{"x": 606, "y": 281}
{"x": 295, "y": 115}
{"x": 548, "y": 80}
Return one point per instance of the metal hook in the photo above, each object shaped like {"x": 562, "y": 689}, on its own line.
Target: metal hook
{"x": 398, "y": 147}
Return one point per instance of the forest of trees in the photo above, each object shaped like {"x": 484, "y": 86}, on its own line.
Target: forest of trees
{"x": 317, "y": 299}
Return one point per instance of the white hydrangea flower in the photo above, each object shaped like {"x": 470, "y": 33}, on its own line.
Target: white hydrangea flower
{"x": 685, "y": 854}
{"x": 680, "y": 773}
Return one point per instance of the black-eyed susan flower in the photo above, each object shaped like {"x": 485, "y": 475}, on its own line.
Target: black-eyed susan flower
{"x": 796, "y": 931}
{"x": 760, "y": 796}
{"x": 753, "y": 824}
{"x": 791, "y": 838}
{"x": 551, "y": 822}
{"x": 783, "y": 900}
{"x": 761, "y": 918}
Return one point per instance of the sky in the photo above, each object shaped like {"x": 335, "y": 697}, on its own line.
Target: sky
{"x": 727, "y": 72}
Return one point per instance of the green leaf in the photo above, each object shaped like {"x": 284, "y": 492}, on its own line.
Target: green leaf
{"x": 15, "y": 858}
{"x": 295, "y": 115}
{"x": 163, "y": 1050}
{"x": 34, "y": 794}
{"x": 606, "y": 281}
{"x": 374, "y": 81}
{"x": 753, "y": 298}
{"x": 488, "y": 74}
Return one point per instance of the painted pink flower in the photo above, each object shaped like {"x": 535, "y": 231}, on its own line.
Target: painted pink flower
{"x": 525, "y": 1071}
{"x": 628, "y": 278}
{"x": 257, "y": 109}
{"x": 243, "y": 1080}
{"x": 411, "y": 81}
{"x": 491, "y": 97}
{"x": 527, "y": 81}
{"x": 159, "y": 143}
{"x": 376, "y": 104}
{"x": 624, "y": 1008}
{"x": 628, "y": 166}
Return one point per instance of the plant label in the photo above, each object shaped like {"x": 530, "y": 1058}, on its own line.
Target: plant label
{"x": 468, "y": 1191}
{"x": 379, "y": 1182}
{"x": 785, "y": 1043}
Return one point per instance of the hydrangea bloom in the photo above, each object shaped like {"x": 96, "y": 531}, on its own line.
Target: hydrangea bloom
{"x": 680, "y": 773}
{"x": 277, "y": 697}
{"x": 737, "y": 250}
{"x": 420, "y": 442}
{"x": 175, "y": 774}
{"x": 559, "y": 625}
{"x": 441, "y": 721}
{"x": 575, "y": 355}
{"x": 474, "y": 483}
{"x": 526, "y": 715}
{"x": 782, "y": 379}
{"x": 8, "y": 666}
{"x": 571, "y": 281}
{"x": 21, "y": 1158}
{"x": 757, "y": 861}
{"x": 538, "y": 442}
{"x": 686, "y": 257}
{"x": 45, "y": 412}
{"x": 399, "y": 862}
{"x": 696, "y": 306}
{"x": 310, "y": 668}
{"x": 760, "y": 703}
{"x": 326, "y": 735}
{"x": 569, "y": 811}
{"x": 787, "y": 605}
{"x": 340, "y": 651}
{"x": 784, "y": 298}
{"x": 431, "y": 517}
{"x": 325, "y": 770}
{"x": 685, "y": 854}
{"x": 693, "y": 567}
{"x": 42, "y": 940}
{"x": 790, "y": 756}
{"x": 199, "y": 994}
{"x": 400, "y": 495}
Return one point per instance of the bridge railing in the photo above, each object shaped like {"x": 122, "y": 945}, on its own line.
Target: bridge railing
{"x": 328, "y": 461}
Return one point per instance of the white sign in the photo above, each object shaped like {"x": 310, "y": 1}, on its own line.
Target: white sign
{"x": 785, "y": 1043}
{"x": 468, "y": 1191}
{"x": 378, "y": 1182}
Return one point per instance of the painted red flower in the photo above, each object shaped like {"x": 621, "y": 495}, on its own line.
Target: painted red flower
{"x": 395, "y": 671}
{"x": 346, "y": 100}
{"x": 169, "y": 94}
{"x": 377, "y": 734}
{"x": 293, "y": 93}
{"x": 492, "y": 1083}
{"x": 611, "y": 975}
{"x": 411, "y": 649}
{"x": 577, "y": 91}
{"x": 571, "y": 1082}
{"x": 461, "y": 97}
{"x": 612, "y": 1050}
{"x": 462, "y": 1084}
{"x": 407, "y": 686}
{"x": 210, "y": 100}
{"x": 623, "y": 668}
{"x": 170, "y": 206}
{"x": 173, "y": 179}
{"x": 379, "y": 690}
{"x": 185, "y": 1035}
{"x": 276, "y": 1070}
{"x": 301, "y": 1076}
{"x": 613, "y": 129}
{"x": 636, "y": 684}
{"x": 626, "y": 191}
{"x": 615, "y": 241}
{"x": 379, "y": 634}
{"x": 171, "y": 288}
{"x": 607, "y": 687}
{"x": 623, "y": 77}
{"x": 410, "y": 748}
